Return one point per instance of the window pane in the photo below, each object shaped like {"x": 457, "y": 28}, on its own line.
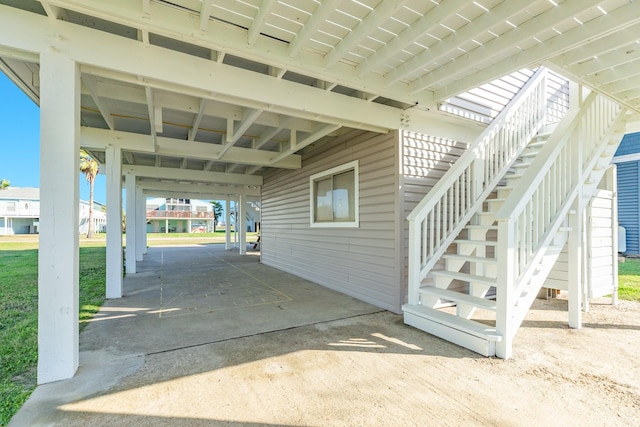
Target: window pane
{"x": 344, "y": 196}
{"x": 324, "y": 211}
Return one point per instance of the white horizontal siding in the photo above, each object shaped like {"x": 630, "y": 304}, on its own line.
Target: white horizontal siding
{"x": 601, "y": 252}
{"x": 599, "y": 265}
{"x": 361, "y": 262}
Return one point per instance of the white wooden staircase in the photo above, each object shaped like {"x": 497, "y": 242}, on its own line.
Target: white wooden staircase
{"x": 485, "y": 238}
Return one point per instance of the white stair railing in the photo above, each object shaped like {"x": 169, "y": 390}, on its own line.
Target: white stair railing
{"x": 436, "y": 221}
{"x": 531, "y": 216}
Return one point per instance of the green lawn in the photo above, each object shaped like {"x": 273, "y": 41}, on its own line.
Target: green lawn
{"x": 629, "y": 280}
{"x": 18, "y": 315}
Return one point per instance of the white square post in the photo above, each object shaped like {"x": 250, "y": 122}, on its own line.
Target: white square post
{"x": 58, "y": 349}
{"x": 242, "y": 223}
{"x": 227, "y": 221}
{"x": 130, "y": 188}
{"x": 141, "y": 222}
{"x": 114, "y": 222}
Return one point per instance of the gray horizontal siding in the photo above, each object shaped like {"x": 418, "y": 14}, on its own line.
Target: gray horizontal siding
{"x": 417, "y": 181}
{"x": 361, "y": 262}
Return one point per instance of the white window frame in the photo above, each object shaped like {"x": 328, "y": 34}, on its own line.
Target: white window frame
{"x": 356, "y": 186}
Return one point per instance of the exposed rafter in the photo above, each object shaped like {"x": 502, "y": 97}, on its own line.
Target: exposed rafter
{"x": 320, "y": 15}
{"x": 259, "y": 20}
{"x": 196, "y": 120}
{"x": 99, "y": 139}
{"x": 619, "y": 19}
{"x": 52, "y": 12}
{"x": 271, "y": 133}
{"x": 205, "y": 14}
{"x": 152, "y": 114}
{"x": 90, "y": 83}
{"x": 307, "y": 140}
{"x": 498, "y": 47}
{"x": 409, "y": 35}
{"x": 376, "y": 17}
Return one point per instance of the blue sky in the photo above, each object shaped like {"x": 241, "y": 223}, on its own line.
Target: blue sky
{"x": 20, "y": 142}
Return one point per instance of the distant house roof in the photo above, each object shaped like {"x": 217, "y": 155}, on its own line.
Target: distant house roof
{"x": 630, "y": 144}
{"x": 28, "y": 193}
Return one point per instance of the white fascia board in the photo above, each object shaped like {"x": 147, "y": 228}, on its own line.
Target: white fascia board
{"x": 183, "y": 25}
{"x": 191, "y": 175}
{"x": 626, "y": 158}
{"x": 93, "y": 138}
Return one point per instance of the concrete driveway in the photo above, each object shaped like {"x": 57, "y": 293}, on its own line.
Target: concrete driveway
{"x": 206, "y": 337}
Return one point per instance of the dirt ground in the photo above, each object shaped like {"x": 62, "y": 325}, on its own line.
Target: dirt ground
{"x": 372, "y": 370}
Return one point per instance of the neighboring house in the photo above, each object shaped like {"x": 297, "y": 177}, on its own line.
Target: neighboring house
{"x": 627, "y": 159}
{"x": 184, "y": 215}
{"x": 179, "y": 215}
{"x": 20, "y": 212}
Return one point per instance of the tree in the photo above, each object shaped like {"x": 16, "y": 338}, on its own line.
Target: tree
{"x": 217, "y": 212}
{"x": 4, "y": 183}
{"x": 89, "y": 167}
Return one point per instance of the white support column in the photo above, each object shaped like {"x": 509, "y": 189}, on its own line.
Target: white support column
{"x": 189, "y": 225}
{"x": 141, "y": 222}
{"x": 242, "y": 223}
{"x": 575, "y": 268}
{"x": 130, "y": 187}
{"x": 114, "y": 222}
{"x": 145, "y": 232}
{"x": 576, "y": 236}
{"x": 612, "y": 184}
{"x": 227, "y": 221}
{"x": 58, "y": 349}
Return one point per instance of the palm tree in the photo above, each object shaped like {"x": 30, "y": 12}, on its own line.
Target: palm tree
{"x": 217, "y": 212}
{"x": 4, "y": 183}
{"x": 89, "y": 167}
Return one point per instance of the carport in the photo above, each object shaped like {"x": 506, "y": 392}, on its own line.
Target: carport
{"x": 208, "y": 98}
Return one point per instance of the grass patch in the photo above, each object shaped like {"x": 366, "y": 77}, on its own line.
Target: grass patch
{"x": 629, "y": 280}
{"x": 19, "y": 315}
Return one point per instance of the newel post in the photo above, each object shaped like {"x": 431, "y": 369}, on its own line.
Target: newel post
{"x": 414, "y": 263}
{"x": 507, "y": 263}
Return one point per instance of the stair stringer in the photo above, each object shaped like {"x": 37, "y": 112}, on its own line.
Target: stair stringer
{"x": 516, "y": 296}
{"x": 510, "y": 312}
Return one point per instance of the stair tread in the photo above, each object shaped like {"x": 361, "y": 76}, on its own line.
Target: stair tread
{"x": 464, "y": 277}
{"x": 481, "y": 227}
{"x": 470, "y": 258}
{"x": 459, "y": 323}
{"x": 459, "y": 297}
{"x": 475, "y": 242}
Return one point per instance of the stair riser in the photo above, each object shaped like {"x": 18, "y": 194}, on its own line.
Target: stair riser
{"x": 473, "y": 343}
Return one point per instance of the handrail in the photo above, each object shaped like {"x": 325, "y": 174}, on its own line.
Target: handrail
{"x": 458, "y": 195}
{"x": 555, "y": 173}
{"x": 532, "y": 214}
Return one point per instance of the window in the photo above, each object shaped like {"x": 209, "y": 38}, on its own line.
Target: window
{"x": 334, "y": 197}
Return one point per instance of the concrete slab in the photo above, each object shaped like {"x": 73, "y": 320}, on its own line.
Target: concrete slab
{"x": 289, "y": 353}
